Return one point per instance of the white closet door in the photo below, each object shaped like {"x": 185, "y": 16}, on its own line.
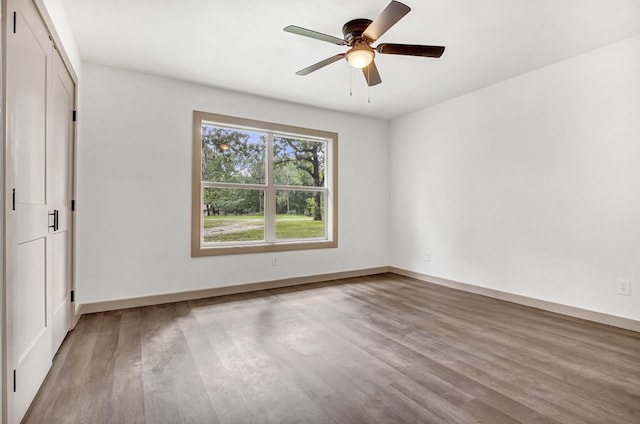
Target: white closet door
{"x": 39, "y": 94}
{"x": 59, "y": 159}
{"x": 28, "y": 74}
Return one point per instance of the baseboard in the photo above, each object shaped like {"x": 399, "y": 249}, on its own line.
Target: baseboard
{"x": 76, "y": 315}
{"x": 111, "y": 305}
{"x": 599, "y": 317}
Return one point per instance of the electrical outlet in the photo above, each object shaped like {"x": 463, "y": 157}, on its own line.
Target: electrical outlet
{"x": 428, "y": 256}
{"x": 624, "y": 287}
{"x": 274, "y": 261}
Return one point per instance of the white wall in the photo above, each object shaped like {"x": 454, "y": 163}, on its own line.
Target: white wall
{"x": 134, "y": 188}
{"x": 530, "y": 186}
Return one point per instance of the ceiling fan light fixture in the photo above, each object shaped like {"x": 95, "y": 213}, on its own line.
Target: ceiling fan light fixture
{"x": 360, "y": 56}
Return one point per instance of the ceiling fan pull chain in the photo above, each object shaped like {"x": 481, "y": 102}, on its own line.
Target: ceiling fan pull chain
{"x": 350, "y": 82}
{"x": 368, "y": 86}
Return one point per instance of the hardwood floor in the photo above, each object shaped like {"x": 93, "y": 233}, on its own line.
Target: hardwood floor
{"x": 364, "y": 350}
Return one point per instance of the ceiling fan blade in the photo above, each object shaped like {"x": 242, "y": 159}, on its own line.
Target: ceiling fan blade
{"x": 315, "y": 34}
{"x": 386, "y": 19}
{"x": 410, "y": 50}
{"x": 321, "y": 64}
{"x": 371, "y": 74}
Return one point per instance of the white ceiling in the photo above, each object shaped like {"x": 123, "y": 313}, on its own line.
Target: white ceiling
{"x": 240, "y": 45}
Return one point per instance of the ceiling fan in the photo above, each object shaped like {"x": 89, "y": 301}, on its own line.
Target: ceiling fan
{"x": 359, "y": 34}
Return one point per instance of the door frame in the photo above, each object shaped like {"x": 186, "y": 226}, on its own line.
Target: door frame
{"x": 7, "y": 182}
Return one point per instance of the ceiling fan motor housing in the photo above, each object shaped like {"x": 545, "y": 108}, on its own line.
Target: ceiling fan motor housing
{"x": 353, "y": 30}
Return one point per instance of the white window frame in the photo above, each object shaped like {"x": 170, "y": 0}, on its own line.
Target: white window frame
{"x": 270, "y": 244}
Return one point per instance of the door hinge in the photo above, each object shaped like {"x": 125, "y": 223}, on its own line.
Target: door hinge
{"x": 14, "y": 199}
{"x": 73, "y": 205}
{"x": 73, "y": 295}
{"x": 14, "y": 21}
{"x": 74, "y": 116}
{"x": 14, "y": 381}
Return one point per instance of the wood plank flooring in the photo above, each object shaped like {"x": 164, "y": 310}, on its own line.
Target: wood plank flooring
{"x": 380, "y": 349}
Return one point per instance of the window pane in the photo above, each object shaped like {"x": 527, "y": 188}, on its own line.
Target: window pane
{"x": 232, "y": 215}
{"x": 299, "y": 214}
{"x": 232, "y": 155}
{"x": 298, "y": 162}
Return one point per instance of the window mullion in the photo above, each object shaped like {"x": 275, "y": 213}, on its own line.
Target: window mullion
{"x": 270, "y": 194}
{"x": 300, "y": 188}
{"x": 207, "y": 184}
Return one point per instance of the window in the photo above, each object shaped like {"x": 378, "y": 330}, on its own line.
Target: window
{"x": 261, "y": 187}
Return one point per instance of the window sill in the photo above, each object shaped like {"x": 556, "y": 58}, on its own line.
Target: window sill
{"x": 200, "y": 251}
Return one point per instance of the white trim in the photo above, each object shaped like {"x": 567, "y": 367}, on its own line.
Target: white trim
{"x": 4, "y": 189}
{"x": 57, "y": 41}
{"x": 572, "y": 311}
